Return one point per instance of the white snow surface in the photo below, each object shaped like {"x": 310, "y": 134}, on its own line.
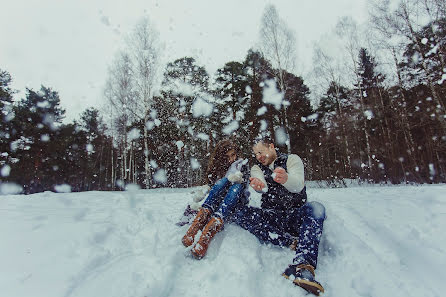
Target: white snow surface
{"x": 377, "y": 241}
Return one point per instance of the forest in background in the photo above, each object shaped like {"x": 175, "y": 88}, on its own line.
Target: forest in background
{"x": 374, "y": 111}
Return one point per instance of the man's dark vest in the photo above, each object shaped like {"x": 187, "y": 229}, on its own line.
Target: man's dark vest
{"x": 278, "y": 197}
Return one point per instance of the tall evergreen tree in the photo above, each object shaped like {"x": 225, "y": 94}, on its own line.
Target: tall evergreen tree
{"x": 37, "y": 119}
{"x": 6, "y": 115}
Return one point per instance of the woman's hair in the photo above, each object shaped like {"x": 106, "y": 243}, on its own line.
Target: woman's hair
{"x": 218, "y": 162}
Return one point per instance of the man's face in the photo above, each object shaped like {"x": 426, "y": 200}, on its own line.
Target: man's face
{"x": 264, "y": 153}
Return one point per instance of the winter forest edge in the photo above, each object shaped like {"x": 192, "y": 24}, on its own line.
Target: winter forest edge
{"x": 373, "y": 112}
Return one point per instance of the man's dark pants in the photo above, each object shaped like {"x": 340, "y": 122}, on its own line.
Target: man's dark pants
{"x": 282, "y": 227}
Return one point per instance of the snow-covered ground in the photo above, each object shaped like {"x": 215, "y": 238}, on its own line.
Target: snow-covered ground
{"x": 377, "y": 241}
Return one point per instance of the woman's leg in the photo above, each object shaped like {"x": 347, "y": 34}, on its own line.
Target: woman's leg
{"x": 230, "y": 201}
{"x": 216, "y": 222}
{"x": 214, "y": 198}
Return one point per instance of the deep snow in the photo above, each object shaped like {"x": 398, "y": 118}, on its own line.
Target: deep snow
{"x": 377, "y": 241}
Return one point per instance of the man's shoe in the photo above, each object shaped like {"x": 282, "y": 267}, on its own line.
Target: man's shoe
{"x": 303, "y": 276}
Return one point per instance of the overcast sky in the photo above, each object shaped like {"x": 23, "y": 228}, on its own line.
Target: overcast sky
{"x": 68, "y": 44}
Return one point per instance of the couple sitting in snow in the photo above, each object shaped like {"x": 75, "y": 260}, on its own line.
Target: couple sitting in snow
{"x": 285, "y": 217}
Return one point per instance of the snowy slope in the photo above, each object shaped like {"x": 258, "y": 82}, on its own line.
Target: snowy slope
{"x": 377, "y": 241}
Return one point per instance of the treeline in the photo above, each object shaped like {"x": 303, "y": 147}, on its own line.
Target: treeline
{"x": 161, "y": 123}
{"x": 40, "y": 153}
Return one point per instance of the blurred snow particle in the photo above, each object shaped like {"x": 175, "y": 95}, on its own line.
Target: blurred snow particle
{"x": 157, "y": 122}
{"x": 120, "y": 183}
{"x": 62, "y": 188}
{"x": 43, "y": 104}
{"x": 368, "y": 114}
{"x": 105, "y": 20}
{"x": 89, "y": 148}
{"x": 273, "y": 235}
{"x": 48, "y": 119}
{"x": 9, "y": 116}
{"x": 179, "y": 144}
{"x": 271, "y": 95}
{"x": 5, "y": 171}
{"x": 153, "y": 164}
{"x": 150, "y": 125}
{"x": 281, "y": 137}
{"x": 160, "y": 176}
{"x": 424, "y": 40}
{"x": 45, "y": 138}
{"x": 203, "y": 136}
{"x": 10, "y": 189}
{"x": 443, "y": 78}
{"x": 201, "y": 108}
{"x": 183, "y": 88}
{"x": 263, "y": 125}
{"x": 132, "y": 187}
{"x": 231, "y": 127}
{"x": 133, "y": 134}
{"x": 248, "y": 90}
{"x": 194, "y": 163}
{"x": 262, "y": 110}
{"x": 431, "y": 169}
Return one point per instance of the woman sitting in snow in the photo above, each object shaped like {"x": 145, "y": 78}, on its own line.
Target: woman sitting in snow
{"x": 218, "y": 165}
{"x": 224, "y": 196}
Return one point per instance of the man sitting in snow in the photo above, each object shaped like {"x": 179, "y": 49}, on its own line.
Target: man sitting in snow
{"x": 285, "y": 213}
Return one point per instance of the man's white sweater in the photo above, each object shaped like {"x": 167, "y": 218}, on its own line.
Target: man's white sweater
{"x": 295, "y": 170}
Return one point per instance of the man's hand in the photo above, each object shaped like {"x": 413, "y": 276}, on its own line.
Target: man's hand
{"x": 256, "y": 184}
{"x": 280, "y": 175}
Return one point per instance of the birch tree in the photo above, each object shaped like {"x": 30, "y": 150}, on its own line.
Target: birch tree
{"x": 403, "y": 21}
{"x": 120, "y": 95}
{"x": 144, "y": 50}
{"x": 278, "y": 45}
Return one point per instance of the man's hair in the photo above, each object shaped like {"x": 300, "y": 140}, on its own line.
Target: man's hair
{"x": 263, "y": 139}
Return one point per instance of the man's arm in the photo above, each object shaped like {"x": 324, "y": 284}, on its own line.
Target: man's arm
{"x": 296, "y": 177}
{"x": 257, "y": 173}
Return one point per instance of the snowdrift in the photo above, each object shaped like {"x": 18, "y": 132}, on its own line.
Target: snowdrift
{"x": 377, "y": 241}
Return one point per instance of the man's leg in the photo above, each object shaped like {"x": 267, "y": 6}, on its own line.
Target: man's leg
{"x": 309, "y": 219}
{"x": 266, "y": 225}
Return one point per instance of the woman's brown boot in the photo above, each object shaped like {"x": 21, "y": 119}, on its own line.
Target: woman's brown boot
{"x": 199, "y": 250}
{"x": 199, "y": 222}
